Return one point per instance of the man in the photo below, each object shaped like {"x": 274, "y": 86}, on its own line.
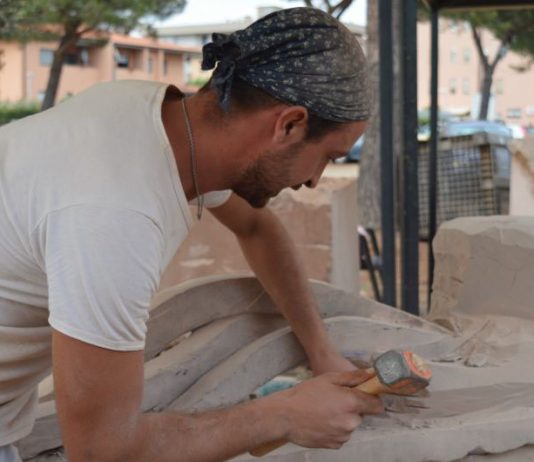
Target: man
{"x": 94, "y": 203}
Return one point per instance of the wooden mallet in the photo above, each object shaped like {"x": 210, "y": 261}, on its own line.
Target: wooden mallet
{"x": 397, "y": 372}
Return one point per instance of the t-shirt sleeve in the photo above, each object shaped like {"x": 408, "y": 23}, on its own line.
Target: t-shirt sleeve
{"x": 103, "y": 266}
{"x": 214, "y": 199}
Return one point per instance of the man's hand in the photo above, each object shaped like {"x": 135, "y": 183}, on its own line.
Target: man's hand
{"x": 323, "y": 412}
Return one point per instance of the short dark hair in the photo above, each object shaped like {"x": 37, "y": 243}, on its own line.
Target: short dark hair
{"x": 247, "y": 98}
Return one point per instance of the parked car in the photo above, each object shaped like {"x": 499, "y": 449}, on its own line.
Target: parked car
{"x": 518, "y": 132}
{"x": 355, "y": 153}
{"x": 469, "y": 127}
{"x": 423, "y": 133}
{"x": 466, "y": 127}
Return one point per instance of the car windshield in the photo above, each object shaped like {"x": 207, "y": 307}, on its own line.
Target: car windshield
{"x": 461, "y": 129}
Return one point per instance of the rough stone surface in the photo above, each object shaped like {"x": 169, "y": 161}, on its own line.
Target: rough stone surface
{"x": 225, "y": 314}
{"x": 175, "y": 370}
{"x": 523, "y": 454}
{"x": 480, "y": 401}
{"x": 484, "y": 265}
{"x": 323, "y": 225}
{"x": 522, "y": 178}
{"x": 233, "y": 380}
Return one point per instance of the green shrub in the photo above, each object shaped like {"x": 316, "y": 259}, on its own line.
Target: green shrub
{"x": 198, "y": 82}
{"x": 14, "y": 111}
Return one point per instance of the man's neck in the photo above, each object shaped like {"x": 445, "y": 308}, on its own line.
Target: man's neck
{"x": 215, "y": 168}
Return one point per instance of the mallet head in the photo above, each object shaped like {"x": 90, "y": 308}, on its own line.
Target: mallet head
{"x": 403, "y": 372}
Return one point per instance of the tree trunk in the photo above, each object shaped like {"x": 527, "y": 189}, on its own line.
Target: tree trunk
{"x": 369, "y": 186}
{"x": 485, "y": 94}
{"x": 398, "y": 91}
{"x": 489, "y": 69}
{"x": 54, "y": 77}
{"x": 369, "y": 173}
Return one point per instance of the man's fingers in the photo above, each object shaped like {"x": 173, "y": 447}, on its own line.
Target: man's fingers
{"x": 350, "y": 378}
{"x": 367, "y": 404}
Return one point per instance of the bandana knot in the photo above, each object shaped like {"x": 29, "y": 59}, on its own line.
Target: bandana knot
{"x": 222, "y": 52}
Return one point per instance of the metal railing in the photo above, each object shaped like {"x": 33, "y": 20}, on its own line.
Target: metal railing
{"x": 473, "y": 178}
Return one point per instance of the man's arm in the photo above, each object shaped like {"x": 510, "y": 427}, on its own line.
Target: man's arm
{"x": 272, "y": 255}
{"x": 99, "y": 391}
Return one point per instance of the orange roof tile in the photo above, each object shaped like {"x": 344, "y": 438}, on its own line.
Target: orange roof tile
{"x": 127, "y": 40}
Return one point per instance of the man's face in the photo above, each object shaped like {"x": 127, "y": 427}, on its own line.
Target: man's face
{"x": 299, "y": 164}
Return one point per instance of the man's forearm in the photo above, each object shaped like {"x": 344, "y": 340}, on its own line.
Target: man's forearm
{"x": 273, "y": 257}
{"x": 205, "y": 437}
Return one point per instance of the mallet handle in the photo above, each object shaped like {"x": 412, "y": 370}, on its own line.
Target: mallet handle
{"x": 371, "y": 387}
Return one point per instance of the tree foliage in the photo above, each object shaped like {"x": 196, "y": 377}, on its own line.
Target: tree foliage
{"x": 515, "y": 28}
{"x": 335, "y": 9}
{"x": 69, "y": 20}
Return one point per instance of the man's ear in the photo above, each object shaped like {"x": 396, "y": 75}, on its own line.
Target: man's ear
{"x": 291, "y": 125}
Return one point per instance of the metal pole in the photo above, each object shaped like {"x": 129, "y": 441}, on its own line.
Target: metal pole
{"x": 386, "y": 151}
{"x": 433, "y": 152}
{"x": 410, "y": 197}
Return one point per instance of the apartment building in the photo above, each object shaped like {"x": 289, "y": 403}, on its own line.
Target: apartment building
{"x": 460, "y": 74}
{"x": 200, "y": 34}
{"x": 24, "y": 68}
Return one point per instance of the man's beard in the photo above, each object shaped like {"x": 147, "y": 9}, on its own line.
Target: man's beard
{"x": 267, "y": 176}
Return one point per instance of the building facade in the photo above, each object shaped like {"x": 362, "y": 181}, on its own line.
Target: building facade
{"x": 460, "y": 75}
{"x": 24, "y": 68}
{"x": 200, "y": 34}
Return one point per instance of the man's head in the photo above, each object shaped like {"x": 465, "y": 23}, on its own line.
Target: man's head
{"x": 309, "y": 71}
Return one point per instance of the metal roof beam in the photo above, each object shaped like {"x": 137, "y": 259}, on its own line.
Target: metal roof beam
{"x": 458, "y": 5}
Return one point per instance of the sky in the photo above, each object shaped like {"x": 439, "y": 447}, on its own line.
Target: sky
{"x": 214, "y": 11}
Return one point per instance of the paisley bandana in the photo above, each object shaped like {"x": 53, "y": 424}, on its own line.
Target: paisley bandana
{"x": 301, "y": 56}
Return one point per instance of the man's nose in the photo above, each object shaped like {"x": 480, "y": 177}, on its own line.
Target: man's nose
{"x": 314, "y": 180}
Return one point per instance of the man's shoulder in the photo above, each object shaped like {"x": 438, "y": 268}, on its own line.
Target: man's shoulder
{"x": 127, "y": 90}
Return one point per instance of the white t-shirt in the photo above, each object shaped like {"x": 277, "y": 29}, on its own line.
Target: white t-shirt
{"x": 91, "y": 212}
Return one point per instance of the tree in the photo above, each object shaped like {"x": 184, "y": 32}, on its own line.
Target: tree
{"x": 69, "y": 20}
{"x": 335, "y": 9}
{"x": 515, "y": 31}
{"x": 8, "y": 14}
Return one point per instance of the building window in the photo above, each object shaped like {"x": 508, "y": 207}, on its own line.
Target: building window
{"x": 514, "y": 113}
{"x": 46, "y": 57}
{"x": 467, "y": 55}
{"x": 499, "y": 86}
{"x": 122, "y": 60}
{"x": 165, "y": 66}
{"x": 454, "y": 56}
{"x": 131, "y": 58}
{"x": 77, "y": 56}
{"x": 150, "y": 65}
{"x": 72, "y": 59}
{"x": 84, "y": 57}
{"x": 466, "y": 87}
{"x": 453, "y": 86}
